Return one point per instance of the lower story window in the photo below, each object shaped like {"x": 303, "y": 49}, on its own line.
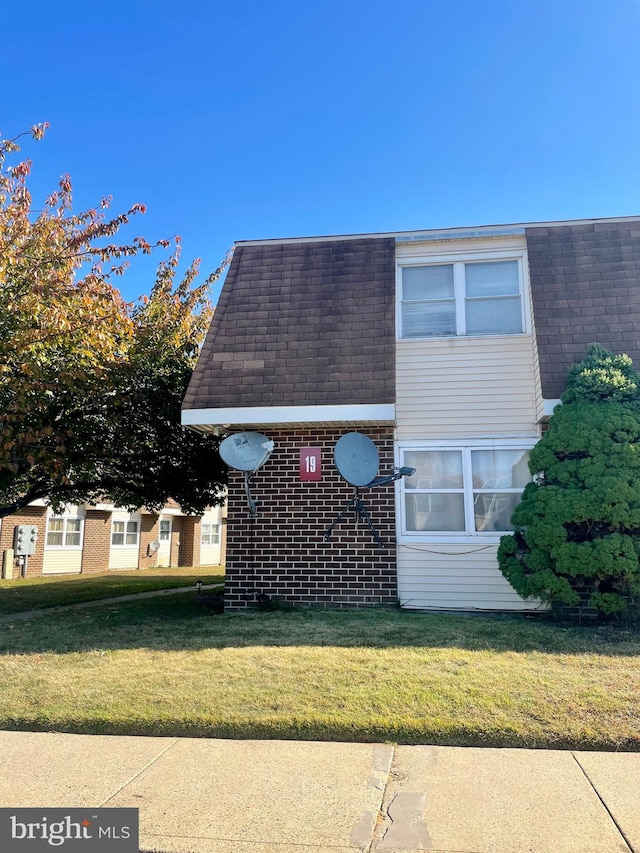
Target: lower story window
{"x": 164, "y": 531}
{"x": 124, "y": 533}
{"x": 63, "y": 532}
{"x": 210, "y": 534}
{"x": 468, "y": 490}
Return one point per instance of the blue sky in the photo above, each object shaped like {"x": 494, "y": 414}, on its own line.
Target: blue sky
{"x": 248, "y": 120}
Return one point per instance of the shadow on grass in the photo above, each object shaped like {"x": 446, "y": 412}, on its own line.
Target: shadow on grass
{"x": 36, "y": 593}
{"x": 177, "y": 623}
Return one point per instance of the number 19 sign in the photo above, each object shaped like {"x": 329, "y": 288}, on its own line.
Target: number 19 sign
{"x": 310, "y": 463}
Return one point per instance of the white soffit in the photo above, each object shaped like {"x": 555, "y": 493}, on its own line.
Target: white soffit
{"x": 203, "y": 419}
{"x": 549, "y": 406}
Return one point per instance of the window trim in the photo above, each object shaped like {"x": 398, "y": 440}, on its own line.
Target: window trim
{"x": 126, "y": 520}
{"x": 211, "y": 525}
{"x": 459, "y": 294}
{"x": 168, "y": 520}
{"x": 64, "y": 518}
{"x": 474, "y": 537}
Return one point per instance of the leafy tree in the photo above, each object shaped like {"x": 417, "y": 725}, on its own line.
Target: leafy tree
{"x": 577, "y": 527}
{"x": 91, "y": 386}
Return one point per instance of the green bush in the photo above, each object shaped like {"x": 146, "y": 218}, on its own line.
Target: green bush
{"x": 576, "y": 538}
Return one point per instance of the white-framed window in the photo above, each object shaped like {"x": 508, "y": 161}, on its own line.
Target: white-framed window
{"x": 210, "y": 534}
{"x": 461, "y": 489}
{"x": 164, "y": 530}
{"x": 124, "y": 532}
{"x": 64, "y": 532}
{"x": 448, "y": 296}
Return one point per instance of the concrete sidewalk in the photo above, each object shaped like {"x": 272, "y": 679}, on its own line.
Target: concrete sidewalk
{"x": 226, "y": 796}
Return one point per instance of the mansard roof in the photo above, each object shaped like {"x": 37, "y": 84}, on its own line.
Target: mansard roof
{"x": 301, "y": 324}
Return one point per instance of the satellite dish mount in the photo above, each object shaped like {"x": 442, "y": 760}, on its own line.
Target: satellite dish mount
{"x": 246, "y": 452}
{"x": 357, "y": 460}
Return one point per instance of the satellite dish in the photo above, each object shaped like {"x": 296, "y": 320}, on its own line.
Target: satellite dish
{"x": 246, "y": 451}
{"x": 356, "y": 458}
{"x": 357, "y": 461}
{"x": 152, "y": 548}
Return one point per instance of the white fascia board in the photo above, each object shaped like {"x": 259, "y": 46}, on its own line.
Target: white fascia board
{"x": 549, "y": 406}
{"x": 465, "y": 231}
{"x": 374, "y": 413}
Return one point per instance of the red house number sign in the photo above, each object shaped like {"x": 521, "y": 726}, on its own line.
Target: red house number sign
{"x": 310, "y": 463}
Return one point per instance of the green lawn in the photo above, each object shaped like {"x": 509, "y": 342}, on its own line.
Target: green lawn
{"x": 34, "y": 593}
{"x": 167, "y": 667}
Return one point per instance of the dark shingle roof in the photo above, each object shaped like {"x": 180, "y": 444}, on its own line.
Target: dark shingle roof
{"x": 301, "y": 324}
{"x": 585, "y": 284}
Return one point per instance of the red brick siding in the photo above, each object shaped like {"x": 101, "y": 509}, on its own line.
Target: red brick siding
{"x": 30, "y": 515}
{"x": 176, "y": 539}
{"x": 190, "y": 541}
{"x": 149, "y": 529}
{"x": 97, "y": 541}
{"x": 287, "y": 558}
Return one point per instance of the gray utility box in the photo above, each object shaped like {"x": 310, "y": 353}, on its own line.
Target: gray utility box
{"x": 25, "y": 537}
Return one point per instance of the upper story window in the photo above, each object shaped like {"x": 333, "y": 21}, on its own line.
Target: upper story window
{"x": 473, "y": 296}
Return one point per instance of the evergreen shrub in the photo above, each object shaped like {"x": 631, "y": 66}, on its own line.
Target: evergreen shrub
{"x": 576, "y": 539}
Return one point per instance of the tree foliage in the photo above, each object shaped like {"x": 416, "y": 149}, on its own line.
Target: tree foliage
{"x": 576, "y": 533}
{"x": 91, "y": 386}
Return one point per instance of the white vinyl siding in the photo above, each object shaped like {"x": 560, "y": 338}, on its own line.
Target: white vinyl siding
{"x": 466, "y": 386}
{"x": 210, "y": 538}
{"x": 462, "y": 390}
{"x": 62, "y": 561}
{"x": 125, "y": 536}
{"x": 164, "y": 538}
{"x": 63, "y": 542}
{"x": 455, "y": 577}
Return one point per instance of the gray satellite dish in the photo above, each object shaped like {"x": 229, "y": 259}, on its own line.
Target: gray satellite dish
{"x": 356, "y": 458}
{"x": 246, "y": 451}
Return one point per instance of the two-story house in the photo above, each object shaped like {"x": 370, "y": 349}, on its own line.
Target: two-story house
{"x": 449, "y": 349}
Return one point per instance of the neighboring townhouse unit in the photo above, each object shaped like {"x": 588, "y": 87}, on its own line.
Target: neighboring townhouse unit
{"x": 449, "y": 349}
{"x": 104, "y": 537}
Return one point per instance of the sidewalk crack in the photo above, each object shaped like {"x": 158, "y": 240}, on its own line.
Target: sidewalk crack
{"x": 605, "y": 806}
{"x": 139, "y": 773}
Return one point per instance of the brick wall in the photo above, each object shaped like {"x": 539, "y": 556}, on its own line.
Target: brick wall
{"x": 149, "y": 531}
{"x": 30, "y": 515}
{"x": 190, "y": 542}
{"x": 585, "y": 285}
{"x": 176, "y": 540}
{"x": 97, "y": 541}
{"x": 283, "y": 555}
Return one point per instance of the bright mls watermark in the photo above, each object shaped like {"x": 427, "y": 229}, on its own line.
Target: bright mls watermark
{"x": 69, "y": 830}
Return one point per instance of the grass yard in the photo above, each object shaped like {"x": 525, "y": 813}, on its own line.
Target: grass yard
{"x": 53, "y": 590}
{"x": 165, "y": 667}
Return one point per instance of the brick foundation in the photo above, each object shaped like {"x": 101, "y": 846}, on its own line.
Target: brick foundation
{"x": 283, "y": 556}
